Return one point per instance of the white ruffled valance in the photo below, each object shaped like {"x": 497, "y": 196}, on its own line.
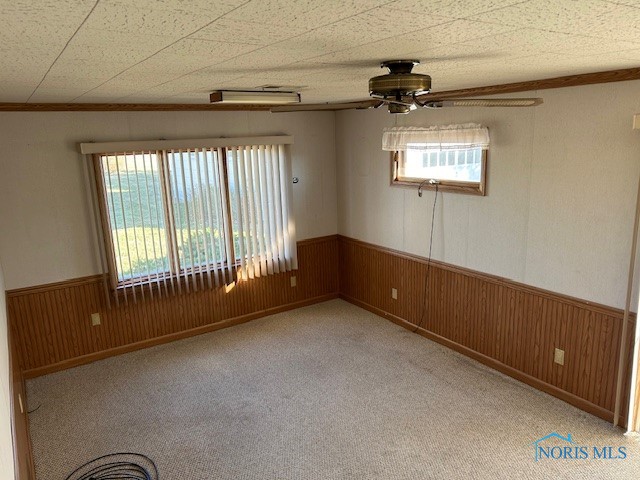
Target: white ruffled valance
{"x": 440, "y": 137}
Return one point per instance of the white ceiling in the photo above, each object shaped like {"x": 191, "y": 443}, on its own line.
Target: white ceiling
{"x": 177, "y": 51}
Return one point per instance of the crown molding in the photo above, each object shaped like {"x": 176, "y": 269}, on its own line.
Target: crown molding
{"x": 547, "y": 83}
{"x": 129, "y": 107}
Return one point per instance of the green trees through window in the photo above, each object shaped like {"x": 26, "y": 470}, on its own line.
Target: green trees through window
{"x": 204, "y": 213}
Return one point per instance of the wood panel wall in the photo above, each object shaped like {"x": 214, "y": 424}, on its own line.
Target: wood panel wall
{"x": 22, "y": 454}
{"x": 509, "y": 326}
{"x": 636, "y": 415}
{"x": 52, "y": 327}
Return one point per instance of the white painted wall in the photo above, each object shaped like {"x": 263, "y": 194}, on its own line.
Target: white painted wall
{"x": 558, "y": 214}
{"x": 46, "y": 221}
{"x": 6, "y": 442}
{"x": 562, "y": 181}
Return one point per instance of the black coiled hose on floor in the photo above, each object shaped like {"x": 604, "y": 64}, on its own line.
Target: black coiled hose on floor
{"x": 117, "y": 466}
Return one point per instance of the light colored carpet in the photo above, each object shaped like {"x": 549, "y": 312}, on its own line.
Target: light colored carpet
{"x": 329, "y": 391}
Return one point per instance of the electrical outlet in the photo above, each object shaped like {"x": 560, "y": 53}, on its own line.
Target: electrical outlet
{"x": 294, "y": 281}
{"x": 95, "y": 319}
{"x": 394, "y": 293}
{"x": 558, "y": 356}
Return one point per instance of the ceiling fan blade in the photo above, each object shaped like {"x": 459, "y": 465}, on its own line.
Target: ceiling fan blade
{"x": 486, "y": 102}
{"x": 316, "y": 107}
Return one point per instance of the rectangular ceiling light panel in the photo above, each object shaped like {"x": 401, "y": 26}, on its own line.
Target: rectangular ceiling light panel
{"x": 253, "y": 96}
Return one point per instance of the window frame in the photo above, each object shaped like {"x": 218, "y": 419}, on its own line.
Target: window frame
{"x": 257, "y": 263}
{"x": 452, "y": 186}
{"x": 176, "y": 273}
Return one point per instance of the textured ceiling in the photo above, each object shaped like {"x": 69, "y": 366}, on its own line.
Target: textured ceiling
{"x": 177, "y": 51}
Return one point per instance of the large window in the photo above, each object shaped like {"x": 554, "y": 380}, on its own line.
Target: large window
{"x": 449, "y": 156}
{"x": 187, "y": 219}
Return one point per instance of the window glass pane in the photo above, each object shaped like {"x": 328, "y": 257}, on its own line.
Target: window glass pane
{"x": 136, "y": 215}
{"x": 197, "y": 207}
{"x": 458, "y": 165}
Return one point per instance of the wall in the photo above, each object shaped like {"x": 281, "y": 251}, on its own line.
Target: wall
{"x": 48, "y": 235}
{"x": 53, "y": 331}
{"x": 562, "y": 181}
{"x": 6, "y": 441}
{"x": 558, "y": 216}
{"x": 539, "y": 263}
{"x": 48, "y": 238}
{"x": 509, "y": 326}
{"x": 45, "y": 213}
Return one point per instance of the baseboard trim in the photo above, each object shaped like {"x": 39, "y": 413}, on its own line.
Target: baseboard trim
{"x": 111, "y": 352}
{"x": 570, "y": 398}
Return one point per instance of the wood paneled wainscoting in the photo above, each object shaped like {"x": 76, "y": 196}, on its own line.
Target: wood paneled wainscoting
{"x": 509, "y": 326}
{"x": 52, "y": 329}
{"x": 23, "y": 456}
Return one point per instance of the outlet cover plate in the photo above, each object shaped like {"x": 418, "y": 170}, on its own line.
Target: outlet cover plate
{"x": 95, "y": 319}
{"x": 394, "y": 293}
{"x": 558, "y": 356}
{"x": 294, "y": 281}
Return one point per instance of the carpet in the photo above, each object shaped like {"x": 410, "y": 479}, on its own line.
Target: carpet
{"x": 328, "y": 391}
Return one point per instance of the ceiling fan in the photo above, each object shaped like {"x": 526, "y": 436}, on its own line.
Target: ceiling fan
{"x": 401, "y": 90}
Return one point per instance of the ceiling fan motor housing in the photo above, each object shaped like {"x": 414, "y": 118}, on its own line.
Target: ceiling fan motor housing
{"x": 404, "y": 84}
{"x": 399, "y": 82}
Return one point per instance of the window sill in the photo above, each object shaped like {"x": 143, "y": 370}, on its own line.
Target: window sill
{"x": 443, "y": 186}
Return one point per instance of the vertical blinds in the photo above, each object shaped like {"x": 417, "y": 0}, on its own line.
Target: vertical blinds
{"x": 188, "y": 219}
{"x": 261, "y": 199}
{"x": 198, "y": 211}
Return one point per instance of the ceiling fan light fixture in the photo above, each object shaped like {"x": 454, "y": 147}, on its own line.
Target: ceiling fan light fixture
{"x": 399, "y": 108}
{"x": 402, "y": 91}
{"x": 254, "y": 97}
